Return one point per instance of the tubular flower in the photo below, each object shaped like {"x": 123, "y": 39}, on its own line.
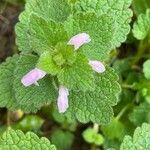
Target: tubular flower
{"x": 32, "y": 77}
{"x": 62, "y": 101}
{"x": 97, "y": 66}
{"x": 79, "y": 40}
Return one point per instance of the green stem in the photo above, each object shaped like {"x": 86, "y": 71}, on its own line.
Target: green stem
{"x": 127, "y": 86}
{"x": 141, "y": 49}
{"x": 8, "y": 118}
{"x": 118, "y": 117}
{"x": 96, "y": 129}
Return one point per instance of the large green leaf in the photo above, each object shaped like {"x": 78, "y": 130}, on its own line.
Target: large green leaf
{"x": 119, "y": 13}
{"x": 49, "y": 10}
{"x": 95, "y": 106}
{"x": 33, "y": 97}
{"x": 140, "y": 140}
{"x": 17, "y": 140}
{"x": 7, "y": 98}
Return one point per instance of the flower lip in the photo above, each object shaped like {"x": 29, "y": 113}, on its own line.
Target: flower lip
{"x": 97, "y": 66}
{"x": 62, "y": 101}
{"x": 79, "y": 40}
{"x": 32, "y": 77}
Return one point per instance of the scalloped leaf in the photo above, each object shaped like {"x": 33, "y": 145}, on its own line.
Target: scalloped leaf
{"x": 101, "y": 30}
{"x": 146, "y": 69}
{"x": 7, "y": 97}
{"x": 141, "y": 28}
{"x": 79, "y": 76}
{"x": 33, "y": 97}
{"x": 117, "y": 10}
{"x": 95, "y": 106}
{"x": 17, "y": 140}
{"x": 49, "y": 10}
{"x": 140, "y": 140}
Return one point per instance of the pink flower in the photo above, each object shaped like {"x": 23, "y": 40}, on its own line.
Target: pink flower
{"x": 62, "y": 101}
{"x": 97, "y": 66}
{"x": 79, "y": 39}
{"x": 32, "y": 77}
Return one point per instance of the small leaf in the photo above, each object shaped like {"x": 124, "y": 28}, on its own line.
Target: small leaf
{"x": 115, "y": 129}
{"x": 78, "y": 76}
{"x": 141, "y": 28}
{"x": 62, "y": 139}
{"x": 140, "y": 114}
{"x": 91, "y": 136}
{"x": 146, "y": 69}
{"x": 140, "y": 140}
{"x": 17, "y": 140}
{"x": 47, "y": 64}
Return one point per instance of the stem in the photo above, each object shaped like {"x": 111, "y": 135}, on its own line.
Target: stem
{"x": 8, "y": 118}
{"x": 118, "y": 117}
{"x": 96, "y": 129}
{"x": 127, "y": 86}
{"x": 141, "y": 49}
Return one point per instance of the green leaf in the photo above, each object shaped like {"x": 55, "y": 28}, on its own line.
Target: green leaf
{"x": 78, "y": 76}
{"x": 146, "y": 69}
{"x": 114, "y": 32}
{"x": 62, "y": 139}
{"x": 140, "y": 114}
{"x": 17, "y": 140}
{"x": 95, "y": 105}
{"x": 33, "y": 97}
{"x": 47, "y": 64}
{"x": 141, "y": 28}
{"x": 44, "y": 34}
{"x": 57, "y": 10}
{"x": 100, "y": 30}
{"x": 7, "y": 97}
{"x": 140, "y": 6}
{"x": 140, "y": 140}
{"x": 28, "y": 123}
{"x": 115, "y": 129}
{"x": 91, "y": 136}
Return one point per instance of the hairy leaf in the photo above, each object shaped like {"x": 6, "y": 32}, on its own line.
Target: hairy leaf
{"x": 17, "y": 140}
{"x": 95, "y": 106}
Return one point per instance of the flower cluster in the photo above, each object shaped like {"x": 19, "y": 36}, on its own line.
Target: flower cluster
{"x": 36, "y": 74}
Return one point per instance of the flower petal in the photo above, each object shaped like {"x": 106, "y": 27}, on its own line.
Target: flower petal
{"x": 62, "y": 101}
{"x": 97, "y": 66}
{"x": 79, "y": 39}
{"x": 32, "y": 77}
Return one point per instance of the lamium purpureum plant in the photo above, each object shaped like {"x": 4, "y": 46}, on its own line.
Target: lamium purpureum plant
{"x": 64, "y": 51}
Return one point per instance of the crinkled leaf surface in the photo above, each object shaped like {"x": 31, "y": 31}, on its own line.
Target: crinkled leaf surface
{"x": 118, "y": 11}
{"x": 141, "y": 28}
{"x": 95, "y": 106}
{"x": 79, "y": 76}
{"x": 7, "y": 98}
{"x": 47, "y": 64}
{"x": 146, "y": 69}
{"x": 140, "y": 140}
{"x": 33, "y": 97}
{"x": 57, "y": 10}
{"x": 140, "y": 114}
{"x": 45, "y": 34}
{"x": 17, "y": 140}
{"x": 100, "y": 30}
